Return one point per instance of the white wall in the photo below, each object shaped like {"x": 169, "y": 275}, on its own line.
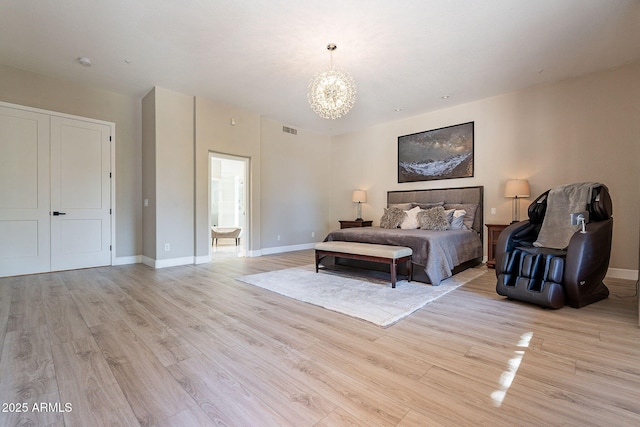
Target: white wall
{"x": 582, "y": 129}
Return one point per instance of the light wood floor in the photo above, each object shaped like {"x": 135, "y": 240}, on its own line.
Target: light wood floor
{"x": 190, "y": 345}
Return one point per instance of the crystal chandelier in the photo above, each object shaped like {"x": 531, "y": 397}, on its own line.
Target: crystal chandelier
{"x": 332, "y": 92}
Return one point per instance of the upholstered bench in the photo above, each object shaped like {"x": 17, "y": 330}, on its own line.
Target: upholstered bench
{"x": 225, "y": 233}
{"x": 386, "y": 254}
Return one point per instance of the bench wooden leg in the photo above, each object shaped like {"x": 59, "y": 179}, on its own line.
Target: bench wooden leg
{"x": 393, "y": 274}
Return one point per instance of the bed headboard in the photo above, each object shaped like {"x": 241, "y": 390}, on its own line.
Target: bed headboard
{"x": 473, "y": 195}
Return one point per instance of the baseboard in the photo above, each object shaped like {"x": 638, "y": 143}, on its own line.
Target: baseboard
{"x": 148, "y": 261}
{"x": 291, "y": 248}
{"x": 163, "y": 263}
{"x": 622, "y": 273}
{"x": 125, "y": 260}
{"x": 202, "y": 259}
{"x": 612, "y": 273}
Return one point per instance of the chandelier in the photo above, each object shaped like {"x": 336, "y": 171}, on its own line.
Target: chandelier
{"x": 332, "y": 92}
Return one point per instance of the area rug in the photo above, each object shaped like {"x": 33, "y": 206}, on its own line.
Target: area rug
{"x": 370, "y": 299}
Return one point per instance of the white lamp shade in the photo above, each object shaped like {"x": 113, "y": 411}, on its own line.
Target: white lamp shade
{"x": 516, "y": 188}
{"x": 359, "y": 196}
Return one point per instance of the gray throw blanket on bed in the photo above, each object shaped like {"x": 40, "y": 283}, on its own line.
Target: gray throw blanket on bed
{"x": 556, "y": 231}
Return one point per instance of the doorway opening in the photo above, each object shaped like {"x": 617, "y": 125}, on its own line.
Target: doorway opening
{"x": 228, "y": 205}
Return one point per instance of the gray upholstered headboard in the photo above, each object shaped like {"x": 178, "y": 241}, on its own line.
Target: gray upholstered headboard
{"x": 473, "y": 195}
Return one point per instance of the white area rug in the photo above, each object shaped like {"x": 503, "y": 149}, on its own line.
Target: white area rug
{"x": 366, "y": 298}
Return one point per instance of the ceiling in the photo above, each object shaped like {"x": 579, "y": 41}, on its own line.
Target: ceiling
{"x": 260, "y": 55}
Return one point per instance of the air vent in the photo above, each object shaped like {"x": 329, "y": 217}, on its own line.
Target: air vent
{"x": 292, "y": 131}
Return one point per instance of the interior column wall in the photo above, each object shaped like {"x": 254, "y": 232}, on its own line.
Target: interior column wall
{"x": 168, "y": 177}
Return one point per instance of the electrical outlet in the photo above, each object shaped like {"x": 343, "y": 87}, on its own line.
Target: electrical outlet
{"x": 167, "y": 247}
{"x": 146, "y": 203}
{"x": 313, "y": 234}
{"x": 493, "y": 211}
{"x": 278, "y": 237}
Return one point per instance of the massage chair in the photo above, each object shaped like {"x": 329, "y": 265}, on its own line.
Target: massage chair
{"x": 553, "y": 277}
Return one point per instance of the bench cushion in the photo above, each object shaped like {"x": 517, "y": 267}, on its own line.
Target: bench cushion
{"x": 368, "y": 249}
{"x": 223, "y": 233}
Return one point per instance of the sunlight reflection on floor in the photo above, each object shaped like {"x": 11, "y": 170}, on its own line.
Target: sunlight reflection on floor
{"x": 506, "y": 378}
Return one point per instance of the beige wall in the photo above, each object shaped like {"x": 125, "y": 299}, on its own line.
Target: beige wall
{"x": 289, "y": 175}
{"x": 296, "y": 185}
{"x": 171, "y": 192}
{"x": 149, "y": 175}
{"x": 214, "y": 132}
{"x": 34, "y": 90}
{"x": 583, "y": 129}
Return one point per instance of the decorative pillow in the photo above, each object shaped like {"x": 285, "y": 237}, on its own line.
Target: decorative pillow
{"x": 449, "y": 214}
{"x": 411, "y": 221}
{"x": 457, "y": 220}
{"x": 433, "y": 219}
{"x": 470, "y": 212}
{"x": 392, "y": 218}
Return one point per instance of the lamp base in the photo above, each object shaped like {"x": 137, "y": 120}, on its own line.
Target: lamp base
{"x": 359, "y": 212}
{"x": 515, "y": 210}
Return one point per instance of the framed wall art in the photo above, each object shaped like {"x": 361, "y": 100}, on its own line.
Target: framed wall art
{"x": 436, "y": 154}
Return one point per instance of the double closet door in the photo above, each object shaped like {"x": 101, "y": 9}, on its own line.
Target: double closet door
{"x": 55, "y": 192}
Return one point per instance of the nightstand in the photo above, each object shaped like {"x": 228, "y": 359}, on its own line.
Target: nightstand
{"x": 354, "y": 223}
{"x": 494, "y": 233}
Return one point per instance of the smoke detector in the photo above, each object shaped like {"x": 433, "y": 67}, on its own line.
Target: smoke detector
{"x": 84, "y": 61}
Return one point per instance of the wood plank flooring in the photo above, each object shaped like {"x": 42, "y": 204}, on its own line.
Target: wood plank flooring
{"x": 190, "y": 345}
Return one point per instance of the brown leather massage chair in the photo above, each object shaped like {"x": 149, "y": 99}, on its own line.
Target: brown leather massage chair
{"x": 555, "y": 276}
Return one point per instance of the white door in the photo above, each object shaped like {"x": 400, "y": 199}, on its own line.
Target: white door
{"x": 24, "y": 192}
{"x": 80, "y": 194}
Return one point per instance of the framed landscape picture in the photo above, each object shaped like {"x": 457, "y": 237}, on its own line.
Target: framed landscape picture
{"x": 436, "y": 154}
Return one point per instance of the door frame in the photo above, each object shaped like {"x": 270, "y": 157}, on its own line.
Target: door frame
{"x": 112, "y": 147}
{"x": 245, "y": 240}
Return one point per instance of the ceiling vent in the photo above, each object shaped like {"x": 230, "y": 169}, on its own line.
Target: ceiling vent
{"x": 292, "y": 131}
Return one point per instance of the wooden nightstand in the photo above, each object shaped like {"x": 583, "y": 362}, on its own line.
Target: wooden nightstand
{"x": 353, "y": 223}
{"x": 494, "y": 233}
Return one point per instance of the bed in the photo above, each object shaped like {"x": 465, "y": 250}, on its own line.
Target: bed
{"x": 437, "y": 255}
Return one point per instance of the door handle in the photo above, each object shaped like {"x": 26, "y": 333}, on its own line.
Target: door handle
{"x": 56, "y": 213}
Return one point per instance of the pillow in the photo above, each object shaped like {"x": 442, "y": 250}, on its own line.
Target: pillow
{"x": 470, "y": 212}
{"x": 426, "y": 206}
{"x": 457, "y": 220}
{"x": 449, "y": 214}
{"x": 411, "y": 221}
{"x": 433, "y": 219}
{"x": 403, "y": 206}
{"x": 392, "y": 218}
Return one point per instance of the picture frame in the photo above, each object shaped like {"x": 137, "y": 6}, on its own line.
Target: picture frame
{"x": 443, "y": 153}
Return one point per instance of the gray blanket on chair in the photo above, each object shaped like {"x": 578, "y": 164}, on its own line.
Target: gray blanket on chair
{"x": 562, "y": 201}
